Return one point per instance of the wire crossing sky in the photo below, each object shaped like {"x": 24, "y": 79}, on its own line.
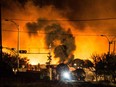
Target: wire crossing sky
{"x": 76, "y": 24}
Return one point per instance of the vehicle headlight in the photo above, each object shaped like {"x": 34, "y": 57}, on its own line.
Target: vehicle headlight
{"x": 66, "y": 75}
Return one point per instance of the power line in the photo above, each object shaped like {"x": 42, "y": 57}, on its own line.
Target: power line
{"x": 19, "y": 31}
{"x": 94, "y": 19}
{"x": 55, "y": 33}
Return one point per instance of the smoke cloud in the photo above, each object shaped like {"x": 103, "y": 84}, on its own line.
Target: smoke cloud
{"x": 75, "y": 10}
{"x": 84, "y": 10}
{"x": 58, "y": 35}
{"x": 36, "y": 26}
{"x": 54, "y": 32}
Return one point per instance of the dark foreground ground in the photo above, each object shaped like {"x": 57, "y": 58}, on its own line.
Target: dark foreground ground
{"x": 34, "y": 79}
{"x": 16, "y": 82}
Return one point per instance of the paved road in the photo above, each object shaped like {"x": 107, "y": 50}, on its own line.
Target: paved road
{"x": 8, "y": 82}
{"x": 83, "y": 84}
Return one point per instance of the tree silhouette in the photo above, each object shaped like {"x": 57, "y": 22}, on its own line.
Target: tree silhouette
{"x": 11, "y": 60}
{"x": 105, "y": 65}
{"x": 88, "y": 64}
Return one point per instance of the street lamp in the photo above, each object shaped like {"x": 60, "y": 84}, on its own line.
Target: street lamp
{"x": 109, "y": 42}
{"x": 18, "y": 28}
{"x": 114, "y": 47}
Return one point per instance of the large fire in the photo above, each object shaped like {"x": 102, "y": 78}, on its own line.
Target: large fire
{"x": 87, "y": 41}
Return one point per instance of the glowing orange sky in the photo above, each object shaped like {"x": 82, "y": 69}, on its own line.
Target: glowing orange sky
{"x": 86, "y": 45}
{"x": 87, "y": 41}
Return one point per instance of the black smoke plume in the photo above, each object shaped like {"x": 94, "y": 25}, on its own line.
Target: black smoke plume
{"x": 54, "y": 31}
{"x": 34, "y": 27}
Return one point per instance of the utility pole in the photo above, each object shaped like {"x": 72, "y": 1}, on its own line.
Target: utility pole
{"x": 49, "y": 56}
{"x": 0, "y": 37}
{"x": 49, "y": 62}
{"x": 114, "y": 47}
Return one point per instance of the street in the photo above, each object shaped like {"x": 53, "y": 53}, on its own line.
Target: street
{"x": 15, "y": 82}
